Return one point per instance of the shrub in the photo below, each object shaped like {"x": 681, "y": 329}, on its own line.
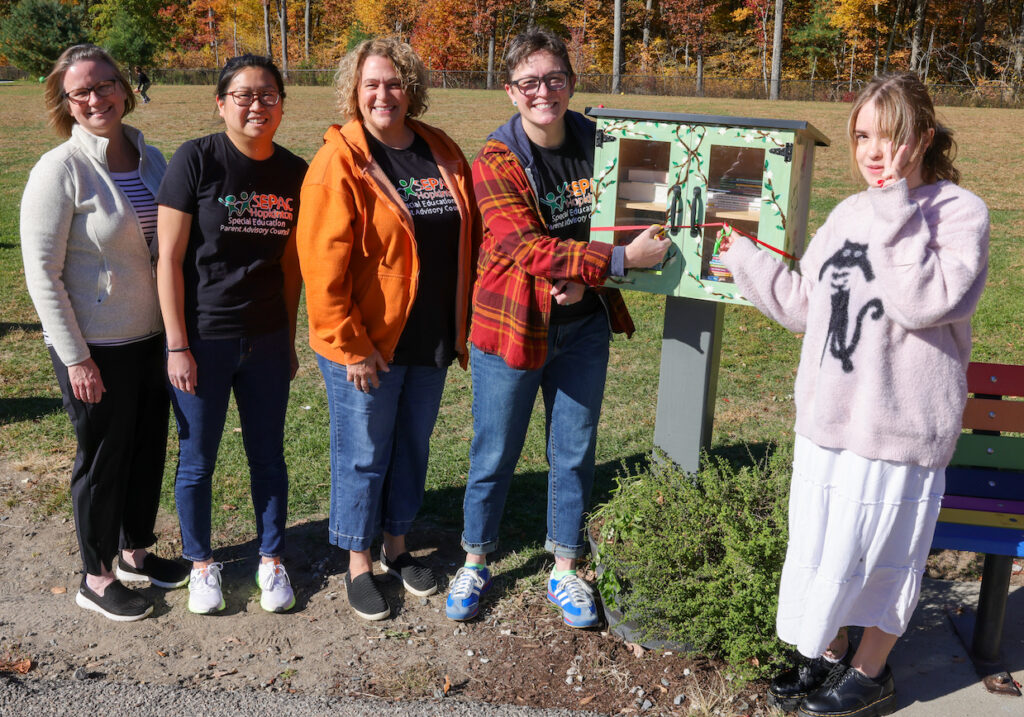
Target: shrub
{"x": 696, "y": 558}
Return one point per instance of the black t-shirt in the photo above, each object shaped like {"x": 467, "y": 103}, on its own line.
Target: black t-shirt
{"x": 563, "y": 182}
{"x": 242, "y": 213}
{"x": 428, "y": 338}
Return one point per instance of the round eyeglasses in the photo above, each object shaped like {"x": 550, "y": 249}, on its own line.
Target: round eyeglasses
{"x": 82, "y": 95}
{"x": 268, "y": 98}
{"x": 554, "y": 81}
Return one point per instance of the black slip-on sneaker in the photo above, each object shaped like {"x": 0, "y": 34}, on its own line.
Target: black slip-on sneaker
{"x": 161, "y": 572}
{"x": 116, "y": 603}
{"x": 415, "y": 576}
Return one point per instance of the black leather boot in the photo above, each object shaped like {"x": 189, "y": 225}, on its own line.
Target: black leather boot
{"x": 847, "y": 692}
{"x": 790, "y": 687}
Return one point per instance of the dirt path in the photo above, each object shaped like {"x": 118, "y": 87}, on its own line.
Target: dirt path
{"x": 519, "y": 652}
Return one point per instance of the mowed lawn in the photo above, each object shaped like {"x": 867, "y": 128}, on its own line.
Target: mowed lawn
{"x": 758, "y": 364}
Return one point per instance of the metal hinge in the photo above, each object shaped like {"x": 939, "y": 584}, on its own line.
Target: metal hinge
{"x": 785, "y": 152}
{"x": 603, "y": 137}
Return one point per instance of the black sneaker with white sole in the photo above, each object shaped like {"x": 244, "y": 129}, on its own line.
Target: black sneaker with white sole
{"x": 366, "y": 598}
{"x": 117, "y": 602}
{"x": 415, "y": 576}
{"x": 161, "y": 572}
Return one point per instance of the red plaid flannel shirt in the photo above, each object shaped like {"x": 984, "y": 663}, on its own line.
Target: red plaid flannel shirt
{"x": 519, "y": 263}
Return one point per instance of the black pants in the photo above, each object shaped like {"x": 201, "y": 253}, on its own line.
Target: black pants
{"x": 122, "y": 441}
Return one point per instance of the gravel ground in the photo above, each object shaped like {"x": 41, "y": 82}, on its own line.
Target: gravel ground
{"x": 60, "y": 698}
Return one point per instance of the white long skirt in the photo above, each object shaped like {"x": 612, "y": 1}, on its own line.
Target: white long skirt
{"x": 859, "y": 535}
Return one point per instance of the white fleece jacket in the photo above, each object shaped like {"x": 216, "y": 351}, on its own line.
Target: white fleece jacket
{"x": 87, "y": 266}
{"x": 885, "y": 296}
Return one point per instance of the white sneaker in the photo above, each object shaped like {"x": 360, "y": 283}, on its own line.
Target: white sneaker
{"x": 277, "y": 595}
{"x": 204, "y": 592}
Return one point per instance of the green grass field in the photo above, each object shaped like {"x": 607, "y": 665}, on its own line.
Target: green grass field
{"x": 758, "y": 364}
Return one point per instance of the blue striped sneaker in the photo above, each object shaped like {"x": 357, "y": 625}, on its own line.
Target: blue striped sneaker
{"x": 575, "y": 598}
{"x": 464, "y": 596}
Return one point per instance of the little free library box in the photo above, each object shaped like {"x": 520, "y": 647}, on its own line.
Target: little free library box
{"x": 700, "y": 175}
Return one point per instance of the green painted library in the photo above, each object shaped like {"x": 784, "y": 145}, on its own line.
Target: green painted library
{"x": 695, "y": 173}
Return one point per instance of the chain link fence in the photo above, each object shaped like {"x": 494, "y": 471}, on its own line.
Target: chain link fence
{"x": 995, "y": 94}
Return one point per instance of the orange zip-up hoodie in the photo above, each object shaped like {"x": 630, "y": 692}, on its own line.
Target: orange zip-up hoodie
{"x": 357, "y": 250}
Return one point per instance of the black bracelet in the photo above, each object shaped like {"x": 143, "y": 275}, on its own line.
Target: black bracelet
{"x": 178, "y": 351}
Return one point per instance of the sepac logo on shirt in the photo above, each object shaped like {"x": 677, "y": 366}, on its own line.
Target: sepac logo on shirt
{"x": 253, "y": 213}
{"x": 570, "y": 204}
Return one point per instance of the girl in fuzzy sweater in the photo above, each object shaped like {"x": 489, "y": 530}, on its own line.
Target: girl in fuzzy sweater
{"x": 884, "y": 296}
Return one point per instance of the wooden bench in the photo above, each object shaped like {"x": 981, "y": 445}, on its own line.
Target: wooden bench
{"x": 983, "y": 508}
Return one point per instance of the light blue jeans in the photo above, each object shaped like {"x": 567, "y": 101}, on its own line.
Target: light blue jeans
{"x": 380, "y": 442}
{"x": 572, "y": 381}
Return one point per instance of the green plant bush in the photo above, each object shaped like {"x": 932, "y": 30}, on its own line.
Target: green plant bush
{"x": 696, "y": 558}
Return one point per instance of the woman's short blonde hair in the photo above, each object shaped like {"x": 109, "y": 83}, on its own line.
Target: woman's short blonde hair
{"x": 60, "y": 117}
{"x": 904, "y": 109}
{"x": 407, "y": 64}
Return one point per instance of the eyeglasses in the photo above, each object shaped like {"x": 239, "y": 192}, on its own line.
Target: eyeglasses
{"x": 268, "y": 98}
{"x": 554, "y": 81}
{"x": 82, "y": 95}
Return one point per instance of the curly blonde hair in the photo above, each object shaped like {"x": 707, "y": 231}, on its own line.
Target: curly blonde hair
{"x": 904, "y": 109}
{"x": 60, "y": 117}
{"x": 407, "y": 64}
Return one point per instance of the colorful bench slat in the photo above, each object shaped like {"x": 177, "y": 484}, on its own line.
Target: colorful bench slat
{"x": 981, "y": 517}
{"x": 983, "y": 483}
{"x": 995, "y": 378}
{"x": 983, "y": 507}
{"x": 994, "y": 541}
{"x": 983, "y": 451}
{"x": 992, "y": 414}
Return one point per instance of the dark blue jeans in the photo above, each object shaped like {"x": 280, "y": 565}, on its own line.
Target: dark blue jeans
{"x": 572, "y": 382}
{"x": 380, "y": 442}
{"x": 257, "y": 371}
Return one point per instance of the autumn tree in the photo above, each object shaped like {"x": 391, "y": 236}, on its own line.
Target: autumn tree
{"x": 691, "y": 20}
{"x": 443, "y": 36}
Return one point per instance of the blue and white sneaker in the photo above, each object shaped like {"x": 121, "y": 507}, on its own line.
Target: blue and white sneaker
{"x": 464, "y": 596}
{"x": 575, "y": 598}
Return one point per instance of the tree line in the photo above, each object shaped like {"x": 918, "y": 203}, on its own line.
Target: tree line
{"x": 968, "y": 42}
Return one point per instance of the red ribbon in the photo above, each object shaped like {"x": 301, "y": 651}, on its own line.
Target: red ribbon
{"x": 641, "y": 227}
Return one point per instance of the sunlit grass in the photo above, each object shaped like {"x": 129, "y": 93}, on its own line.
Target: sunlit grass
{"x": 758, "y": 358}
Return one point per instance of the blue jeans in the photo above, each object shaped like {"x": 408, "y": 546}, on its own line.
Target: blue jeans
{"x": 380, "y": 442}
{"x": 257, "y": 370}
{"x": 572, "y": 381}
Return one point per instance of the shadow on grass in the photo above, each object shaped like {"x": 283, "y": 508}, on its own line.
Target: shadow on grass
{"x": 7, "y": 327}
{"x": 15, "y": 410}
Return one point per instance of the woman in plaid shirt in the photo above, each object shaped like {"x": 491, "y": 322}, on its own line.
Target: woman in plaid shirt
{"x": 540, "y": 319}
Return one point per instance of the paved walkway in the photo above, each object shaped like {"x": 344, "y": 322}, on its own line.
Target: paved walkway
{"x": 934, "y": 678}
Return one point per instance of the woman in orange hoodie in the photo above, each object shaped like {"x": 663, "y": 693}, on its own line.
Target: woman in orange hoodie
{"x": 386, "y": 241}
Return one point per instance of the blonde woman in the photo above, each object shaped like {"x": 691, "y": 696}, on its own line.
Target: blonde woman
{"x": 387, "y": 240}
{"x": 88, "y": 233}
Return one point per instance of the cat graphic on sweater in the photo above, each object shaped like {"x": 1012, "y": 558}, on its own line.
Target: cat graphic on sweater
{"x": 851, "y": 257}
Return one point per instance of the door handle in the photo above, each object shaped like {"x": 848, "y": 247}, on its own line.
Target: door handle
{"x": 694, "y": 211}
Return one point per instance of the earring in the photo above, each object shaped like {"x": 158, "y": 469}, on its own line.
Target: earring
{"x": 515, "y": 103}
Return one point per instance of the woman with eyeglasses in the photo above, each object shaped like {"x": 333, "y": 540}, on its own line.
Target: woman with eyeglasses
{"x": 386, "y": 242}
{"x": 229, "y": 287}
{"x": 540, "y": 319}
{"x": 88, "y": 226}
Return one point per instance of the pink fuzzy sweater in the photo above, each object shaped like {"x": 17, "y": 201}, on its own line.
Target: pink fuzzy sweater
{"x": 884, "y": 296}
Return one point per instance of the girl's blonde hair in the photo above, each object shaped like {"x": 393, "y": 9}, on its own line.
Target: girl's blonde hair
{"x": 60, "y": 117}
{"x": 903, "y": 109}
{"x": 407, "y": 64}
